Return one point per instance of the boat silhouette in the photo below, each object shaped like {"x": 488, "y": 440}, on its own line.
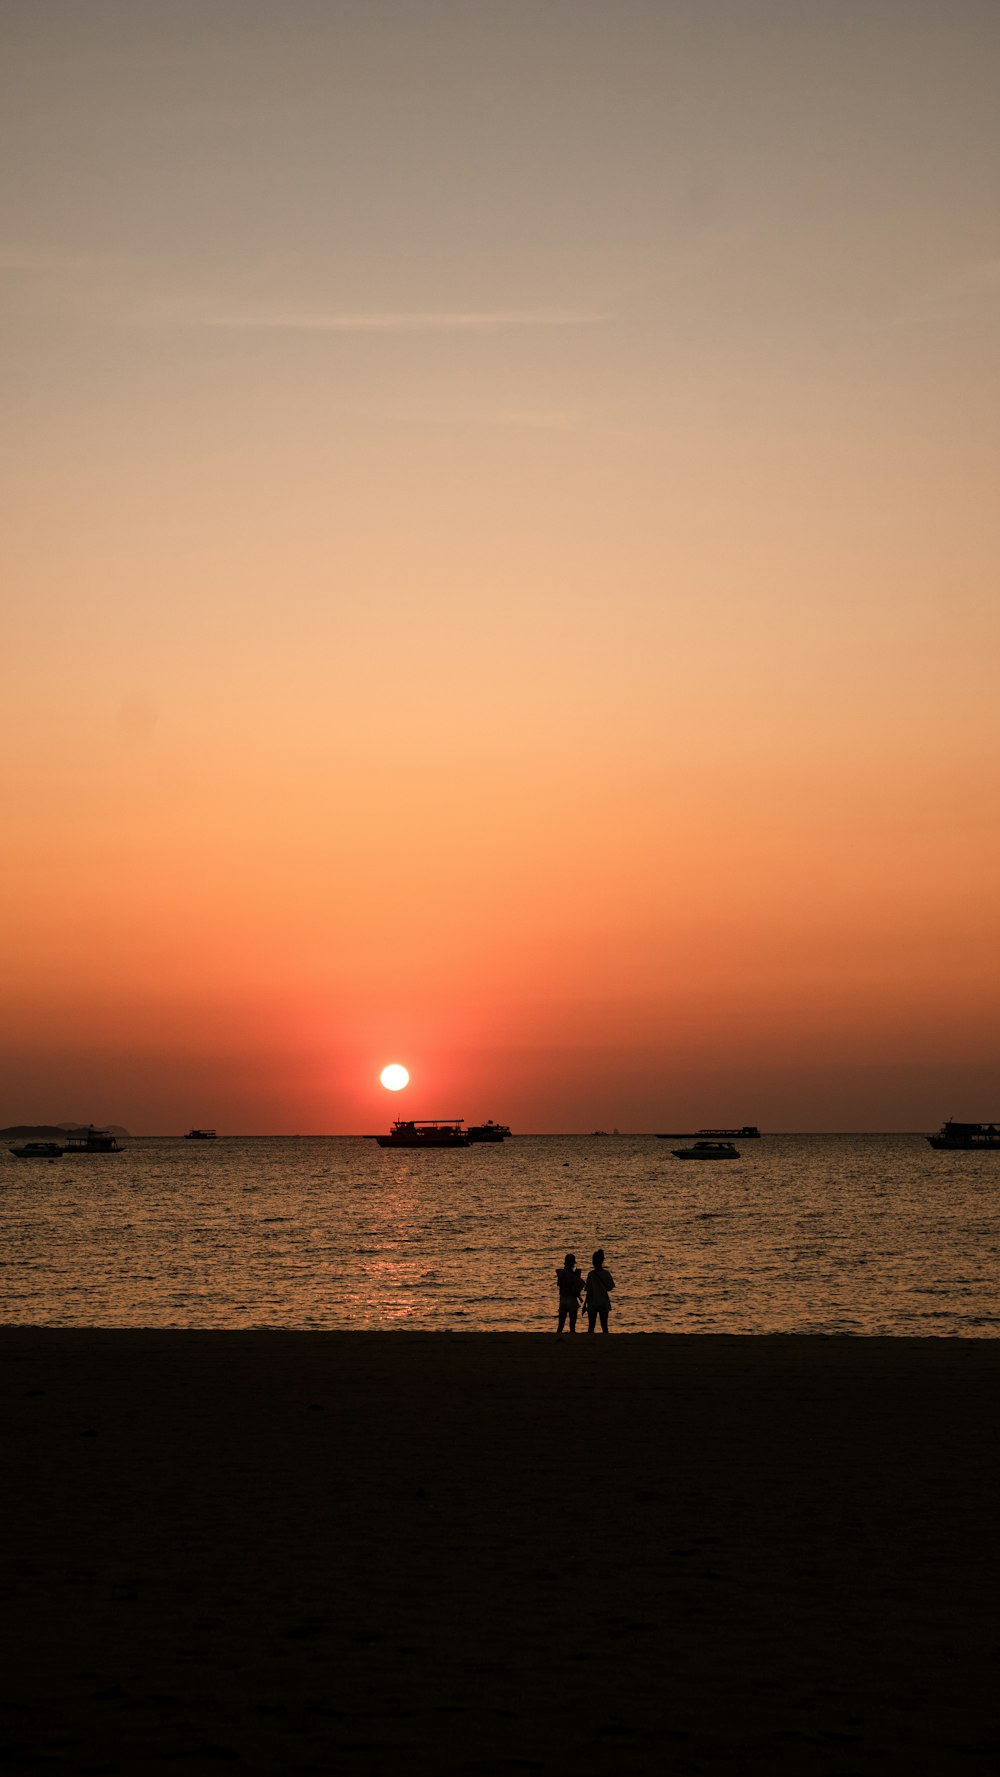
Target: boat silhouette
{"x": 968, "y": 1138}
{"x": 425, "y": 1132}
{"x": 709, "y": 1150}
{"x": 92, "y": 1141}
{"x": 489, "y": 1131}
{"x": 748, "y": 1132}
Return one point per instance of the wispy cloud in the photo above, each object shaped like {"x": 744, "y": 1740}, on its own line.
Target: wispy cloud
{"x": 398, "y": 321}
{"x": 125, "y": 293}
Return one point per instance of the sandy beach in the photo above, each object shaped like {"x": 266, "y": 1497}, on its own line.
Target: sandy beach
{"x": 363, "y": 1552}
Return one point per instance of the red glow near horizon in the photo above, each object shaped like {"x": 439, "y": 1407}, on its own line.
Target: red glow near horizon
{"x": 601, "y": 722}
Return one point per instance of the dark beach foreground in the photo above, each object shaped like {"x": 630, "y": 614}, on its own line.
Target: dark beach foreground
{"x": 373, "y": 1552}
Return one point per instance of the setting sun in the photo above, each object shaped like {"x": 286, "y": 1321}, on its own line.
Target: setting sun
{"x": 394, "y": 1077}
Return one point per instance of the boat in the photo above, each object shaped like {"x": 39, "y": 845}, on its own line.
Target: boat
{"x": 425, "y": 1132}
{"x": 748, "y": 1132}
{"x": 92, "y": 1141}
{"x": 38, "y": 1150}
{"x": 200, "y": 1135}
{"x": 967, "y": 1138}
{"x": 488, "y": 1131}
{"x": 708, "y": 1150}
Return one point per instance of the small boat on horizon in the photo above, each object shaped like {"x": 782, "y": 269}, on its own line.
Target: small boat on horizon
{"x": 488, "y": 1131}
{"x": 201, "y": 1135}
{"x": 425, "y": 1132}
{"x": 709, "y": 1150}
{"x": 38, "y": 1150}
{"x": 966, "y": 1138}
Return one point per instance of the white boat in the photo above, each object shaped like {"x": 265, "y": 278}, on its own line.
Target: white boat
{"x": 708, "y": 1150}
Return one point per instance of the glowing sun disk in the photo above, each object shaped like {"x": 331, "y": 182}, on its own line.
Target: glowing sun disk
{"x": 394, "y": 1077}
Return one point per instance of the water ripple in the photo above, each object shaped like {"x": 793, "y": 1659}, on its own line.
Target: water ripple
{"x": 848, "y": 1234}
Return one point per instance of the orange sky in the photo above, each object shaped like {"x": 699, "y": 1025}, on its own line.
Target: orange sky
{"x": 502, "y": 568}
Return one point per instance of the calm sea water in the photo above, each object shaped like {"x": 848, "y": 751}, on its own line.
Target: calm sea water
{"x": 833, "y": 1234}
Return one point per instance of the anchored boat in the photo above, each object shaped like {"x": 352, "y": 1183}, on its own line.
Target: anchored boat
{"x": 488, "y": 1131}
{"x": 967, "y": 1138}
{"x": 93, "y": 1141}
{"x": 749, "y": 1132}
{"x": 708, "y": 1150}
{"x": 425, "y": 1132}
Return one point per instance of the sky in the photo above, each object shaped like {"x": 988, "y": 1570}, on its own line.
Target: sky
{"x": 501, "y": 563}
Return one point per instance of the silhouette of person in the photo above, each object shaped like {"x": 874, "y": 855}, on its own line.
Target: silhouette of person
{"x": 570, "y": 1290}
{"x": 600, "y": 1283}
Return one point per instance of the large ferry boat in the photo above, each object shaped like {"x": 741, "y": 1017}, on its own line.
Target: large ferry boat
{"x": 748, "y": 1132}
{"x": 967, "y": 1137}
{"x": 425, "y": 1132}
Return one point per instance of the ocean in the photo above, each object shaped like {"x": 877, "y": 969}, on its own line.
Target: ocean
{"x": 863, "y": 1234}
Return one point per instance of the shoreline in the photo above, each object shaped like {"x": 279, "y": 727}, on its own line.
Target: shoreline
{"x": 294, "y": 1550}
{"x": 267, "y": 1330}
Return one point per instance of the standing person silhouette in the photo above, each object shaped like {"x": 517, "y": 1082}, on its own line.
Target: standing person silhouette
{"x": 570, "y": 1290}
{"x": 600, "y": 1283}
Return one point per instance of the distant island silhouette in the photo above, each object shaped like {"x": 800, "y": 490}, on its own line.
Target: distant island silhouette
{"x": 52, "y": 1131}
